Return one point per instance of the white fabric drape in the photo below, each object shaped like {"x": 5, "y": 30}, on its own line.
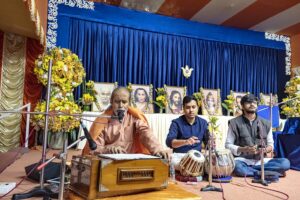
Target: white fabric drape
{"x": 160, "y": 124}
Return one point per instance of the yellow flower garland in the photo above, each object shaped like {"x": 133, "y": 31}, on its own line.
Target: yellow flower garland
{"x": 87, "y": 99}
{"x": 67, "y": 69}
{"x": 161, "y": 99}
{"x": 89, "y": 94}
{"x": 57, "y": 123}
{"x": 198, "y": 96}
{"x": 292, "y": 88}
{"x": 229, "y": 103}
{"x": 67, "y": 73}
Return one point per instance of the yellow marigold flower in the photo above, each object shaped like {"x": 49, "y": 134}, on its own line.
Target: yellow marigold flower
{"x": 90, "y": 84}
{"x": 65, "y": 66}
{"x": 87, "y": 99}
{"x": 57, "y": 122}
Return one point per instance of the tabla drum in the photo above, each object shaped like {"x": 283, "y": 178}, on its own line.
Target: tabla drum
{"x": 222, "y": 163}
{"x": 175, "y": 160}
{"x": 192, "y": 164}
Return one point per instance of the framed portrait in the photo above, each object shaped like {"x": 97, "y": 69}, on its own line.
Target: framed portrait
{"x": 141, "y": 97}
{"x": 174, "y": 97}
{"x": 211, "y": 101}
{"x": 237, "y": 107}
{"x": 104, "y": 91}
{"x": 265, "y": 99}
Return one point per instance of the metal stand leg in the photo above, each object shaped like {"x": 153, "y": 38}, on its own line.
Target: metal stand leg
{"x": 63, "y": 168}
{"x": 210, "y": 187}
{"x": 41, "y": 191}
{"x": 262, "y": 178}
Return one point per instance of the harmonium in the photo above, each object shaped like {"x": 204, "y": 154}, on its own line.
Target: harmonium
{"x": 106, "y": 175}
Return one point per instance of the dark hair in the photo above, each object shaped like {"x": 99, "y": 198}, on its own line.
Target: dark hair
{"x": 135, "y": 94}
{"x": 172, "y": 95}
{"x": 188, "y": 99}
{"x": 248, "y": 98}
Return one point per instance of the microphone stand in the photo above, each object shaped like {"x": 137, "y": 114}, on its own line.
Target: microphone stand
{"x": 262, "y": 180}
{"x": 39, "y": 193}
{"x": 262, "y": 175}
{"x": 210, "y": 187}
{"x": 63, "y": 167}
{"x": 56, "y": 113}
{"x": 262, "y": 166}
{"x": 60, "y": 154}
{"x": 262, "y": 163}
{"x": 42, "y": 191}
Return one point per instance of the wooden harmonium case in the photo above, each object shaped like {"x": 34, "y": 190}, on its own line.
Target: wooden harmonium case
{"x": 94, "y": 177}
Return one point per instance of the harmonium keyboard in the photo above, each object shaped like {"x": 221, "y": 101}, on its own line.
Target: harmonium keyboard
{"x": 106, "y": 175}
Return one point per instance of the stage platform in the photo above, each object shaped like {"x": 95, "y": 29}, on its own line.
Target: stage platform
{"x": 236, "y": 190}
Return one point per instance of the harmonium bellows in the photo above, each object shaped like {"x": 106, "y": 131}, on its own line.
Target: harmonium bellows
{"x": 106, "y": 175}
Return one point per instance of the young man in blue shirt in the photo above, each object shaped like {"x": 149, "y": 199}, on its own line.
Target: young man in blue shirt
{"x": 188, "y": 131}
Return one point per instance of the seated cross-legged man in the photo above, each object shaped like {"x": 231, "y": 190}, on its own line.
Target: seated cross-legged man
{"x": 130, "y": 135}
{"x": 243, "y": 140}
{"x": 187, "y": 132}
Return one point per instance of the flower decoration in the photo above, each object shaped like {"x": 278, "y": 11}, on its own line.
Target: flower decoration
{"x": 67, "y": 69}
{"x": 262, "y": 101}
{"x": 90, "y": 84}
{"x": 229, "y": 103}
{"x": 57, "y": 93}
{"x": 89, "y": 94}
{"x": 87, "y": 99}
{"x": 129, "y": 87}
{"x": 198, "y": 96}
{"x": 213, "y": 127}
{"x": 67, "y": 73}
{"x": 291, "y": 107}
{"x": 161, "y": 98}
{"x": 62, "y": 119}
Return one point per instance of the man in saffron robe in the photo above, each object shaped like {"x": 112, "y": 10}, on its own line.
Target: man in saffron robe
{"x": 130, "y": 135}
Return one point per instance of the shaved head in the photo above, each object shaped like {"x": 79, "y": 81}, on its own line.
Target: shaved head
{"x": 120, "y": 99}
{"x": 119, "y": 90}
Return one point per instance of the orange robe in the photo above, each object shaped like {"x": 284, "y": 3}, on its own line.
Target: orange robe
{"x": 133, "y": 134}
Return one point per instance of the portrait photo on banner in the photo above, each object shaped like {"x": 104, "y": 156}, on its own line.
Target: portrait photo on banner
{"x": 237, "y": 107}
{"x": 175, "y": 96}
{"x": 211, "y": 101}
{"x": 104, "y": 91}
{"x": 141, "y": 97}
{"x": 265, "y": 99}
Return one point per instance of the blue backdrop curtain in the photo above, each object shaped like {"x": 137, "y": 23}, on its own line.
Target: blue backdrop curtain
{"x": 118, "y": 53}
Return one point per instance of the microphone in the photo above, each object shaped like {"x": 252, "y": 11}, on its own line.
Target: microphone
{"x": 92, "y": 143}
{"x": 120, "y": 113}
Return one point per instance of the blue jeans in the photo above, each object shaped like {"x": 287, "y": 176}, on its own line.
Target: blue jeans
{"x": 279, "y": 165}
